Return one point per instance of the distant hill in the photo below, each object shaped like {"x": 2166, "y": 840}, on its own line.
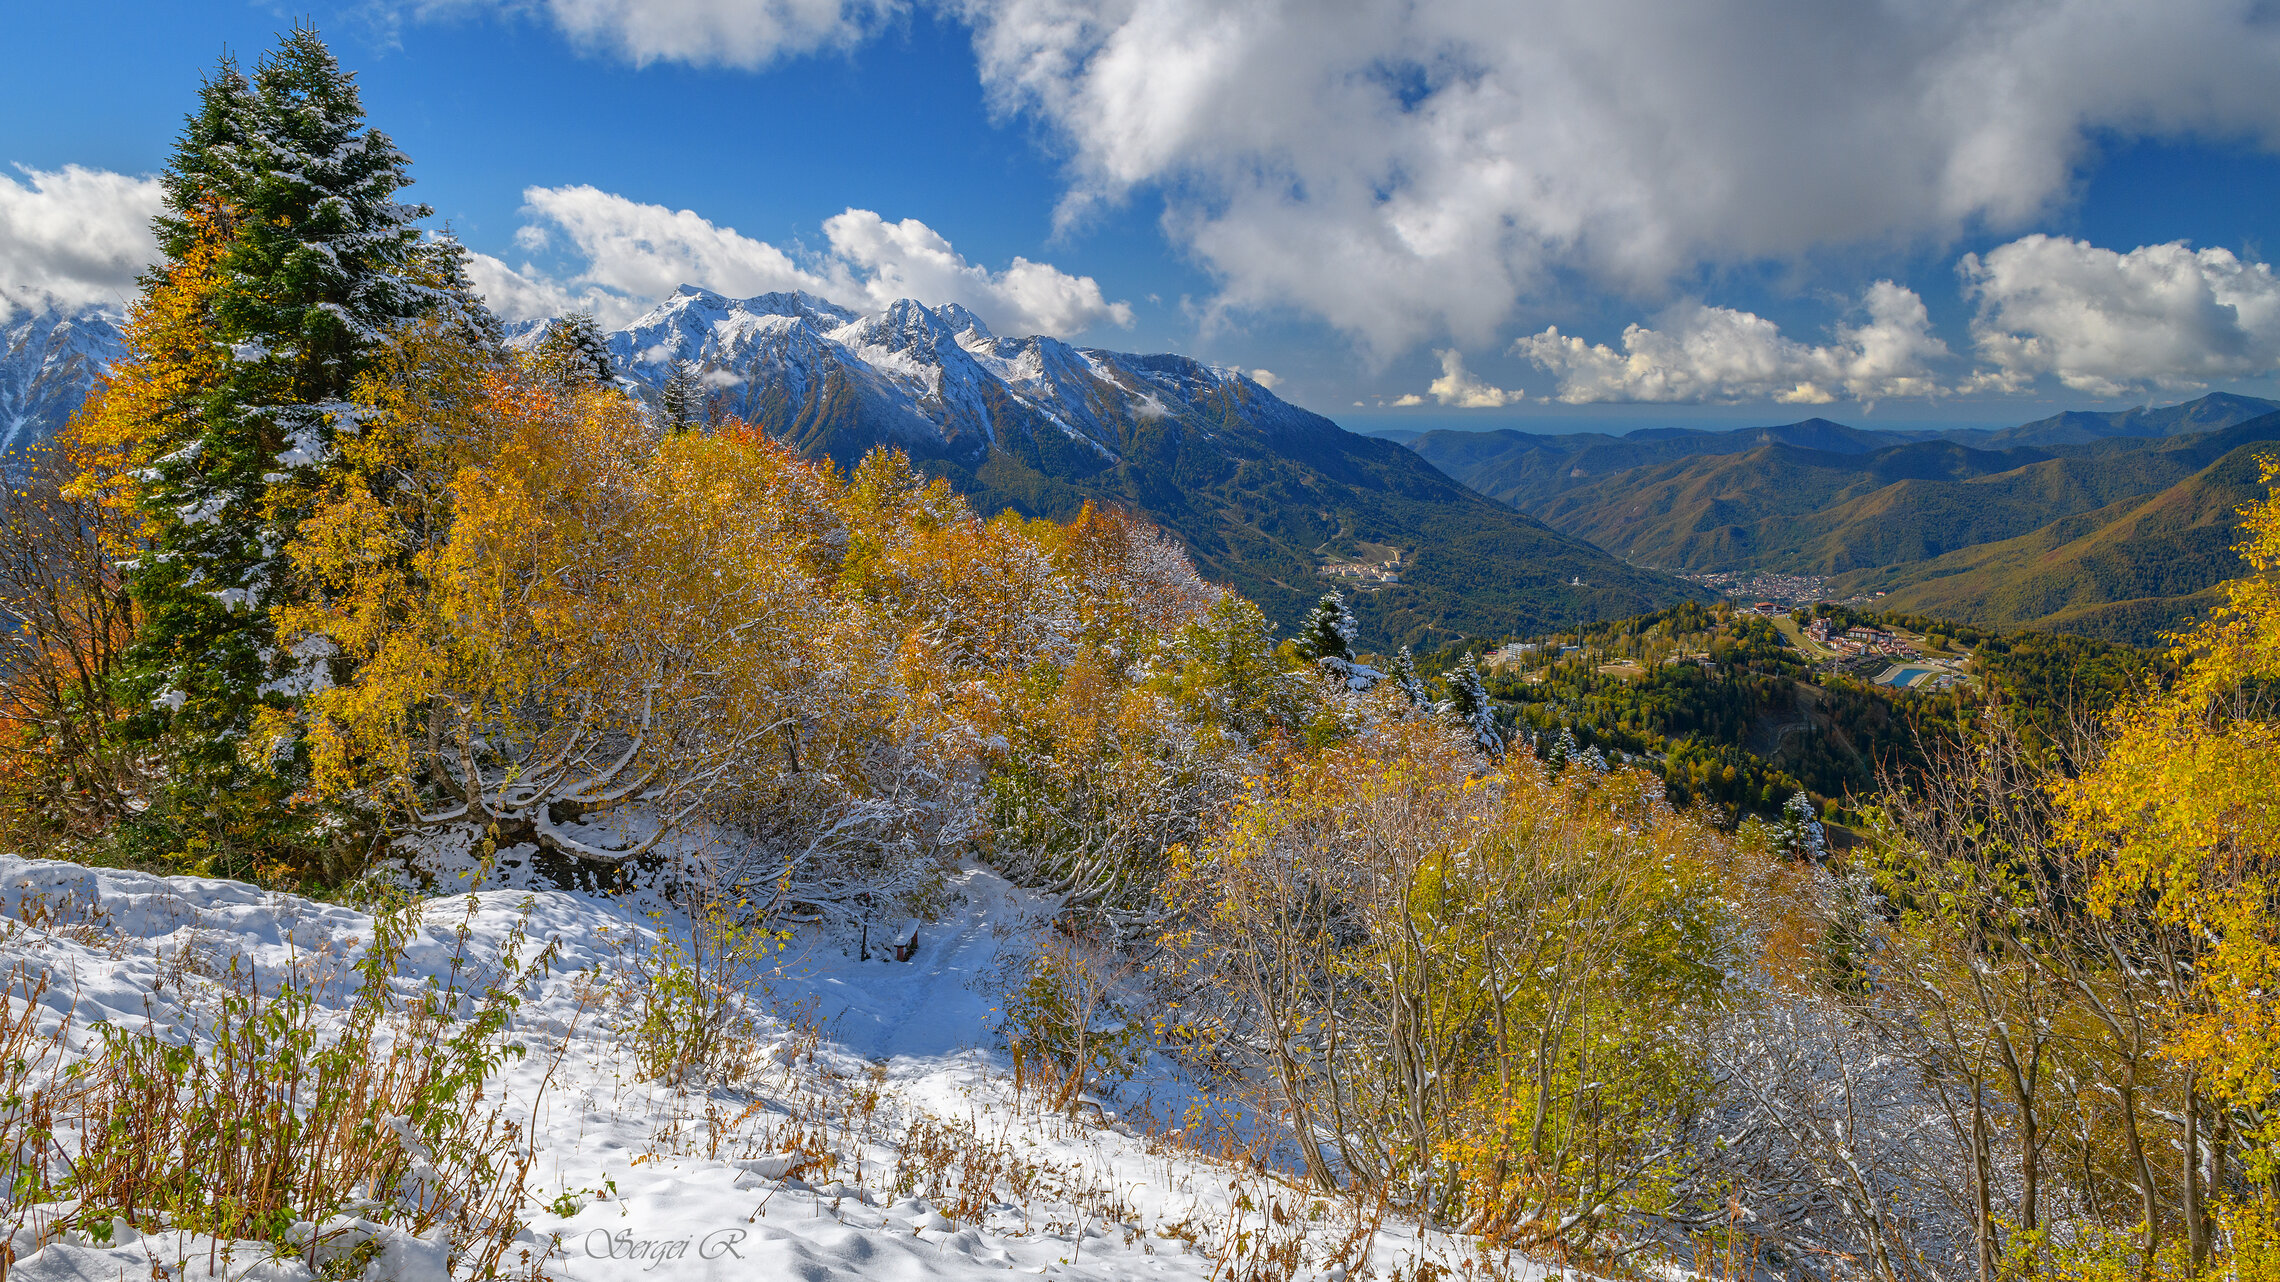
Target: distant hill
{"x": 2128, "y": 571}
{"x": 1525, "y": 469}
{"x": 2213, "y": 412}
{"x": 1813, "y": 512}
{"x": 1982, "y": 513}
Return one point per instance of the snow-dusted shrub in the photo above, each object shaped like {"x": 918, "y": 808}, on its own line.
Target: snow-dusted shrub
{"x": 326, "y": 1128}
{"x": 682, "y": 999}
{"x": 1066, "y": 1029}
{"x": 1480, "y": 993}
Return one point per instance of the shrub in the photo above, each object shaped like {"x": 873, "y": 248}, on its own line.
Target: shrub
{"x": 311, "y": 1129}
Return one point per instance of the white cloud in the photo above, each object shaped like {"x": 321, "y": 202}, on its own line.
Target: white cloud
{"x": 1266, "y": 378}
{"x": 644, "y": 251}
{"x": 1405, "y": 400}
{"x": 1458, "y": 388}
{"x": 707, "y": 33}
{"x": 74, "y": 237}
{"x": 1703, "y": 353}
{"x": 629, "y": 254}
{"x": 911, "y": 260}
{"x": 1407, "y": 170}
{"x": 526, "y": 293}
{"x": 2104, "y": 323}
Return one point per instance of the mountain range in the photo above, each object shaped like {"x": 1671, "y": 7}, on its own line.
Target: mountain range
{"x": 2115, "y": 525}
{"x": 1264, "y": 495}
{"x": 2111, "y": 524}
{"x": 48, "y": 362}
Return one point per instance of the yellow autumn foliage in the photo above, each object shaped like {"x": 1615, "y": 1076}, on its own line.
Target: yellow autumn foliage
{"x": 2182, "y": 814}
{"x": 1467, "y": 987}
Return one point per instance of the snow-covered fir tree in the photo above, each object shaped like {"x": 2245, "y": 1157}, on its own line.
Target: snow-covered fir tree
{"x": 681, "y": 401}
{"x": 1798, "y": 833}
{"x": 1405, "y": 679}
{"x": 1328, "y": 630}
{"x": 1326, "y": 638}
{"x": 1564, "y": 749}
{"x": 1469, "y": 702}
{"x": 317, "y": 263}
{"x": 454, "y": 297}
{"x": 574, "y": 354}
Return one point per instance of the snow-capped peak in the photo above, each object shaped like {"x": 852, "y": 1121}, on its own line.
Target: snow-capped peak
{"x": 933, "y": 378}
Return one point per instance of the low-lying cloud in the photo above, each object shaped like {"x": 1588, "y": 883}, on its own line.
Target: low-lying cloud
{"x": 1458, "y": 389}
{"x": 2105, "y": 323}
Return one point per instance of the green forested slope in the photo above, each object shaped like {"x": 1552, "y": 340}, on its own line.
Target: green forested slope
{"x": 2128, "y": 571}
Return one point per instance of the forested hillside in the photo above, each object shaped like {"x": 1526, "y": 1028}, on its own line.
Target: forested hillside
{"x": 2130, "y": 571}
{"x": 1734, "y": 715}
{"x": 2108, "y": 525}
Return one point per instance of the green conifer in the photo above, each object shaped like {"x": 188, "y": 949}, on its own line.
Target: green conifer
{"x": 1470, "y": 704}
{"x": 574, "y": 354}
{"x": 1406, "y": 680}
{"x": 1328, "y": 630}
{"x": 681, "y": 401}
{"x": 321, "y": 264}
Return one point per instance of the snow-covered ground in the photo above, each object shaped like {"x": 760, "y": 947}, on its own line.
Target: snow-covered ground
{"x": 872, "y": 1083}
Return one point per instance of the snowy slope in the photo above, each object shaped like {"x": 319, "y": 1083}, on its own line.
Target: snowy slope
{"x": 637, "y": 1178}
{"x": 48, "y": 361}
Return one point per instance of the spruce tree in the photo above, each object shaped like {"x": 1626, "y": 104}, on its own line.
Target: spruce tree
{"x": 574, "y": 354}
{"x": 1470, "y": 703}
{"x": 1327, "y": 631}
{"x": 320, "y": 264}
{"x": 1798, "y": 833}
{"x": 452, "y": 295}
{"x": 1406, "y": 680}
{"x": 682, "y": 399}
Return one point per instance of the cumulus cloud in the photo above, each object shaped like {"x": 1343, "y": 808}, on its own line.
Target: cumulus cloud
{"x": 629, "y": 254}
{"x": 528, "y": 293}
{"x": 706, "y": 33}
{"x": 1266, "y": 378}
{"x": 2104, "y": 322}
{"x": 911, "y": 260}
{"x": 74, "y": 237}
{"x": 1406, "y": 170}
{"x": 1456, "y": 387}
{"x": 644, "y": 251}
{"x": 1703, "y": 353}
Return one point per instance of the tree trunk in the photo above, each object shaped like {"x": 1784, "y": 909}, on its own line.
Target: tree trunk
{"x": 2196, "y": 1220}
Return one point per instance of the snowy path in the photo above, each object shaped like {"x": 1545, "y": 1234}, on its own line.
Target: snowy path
{"x": 931, "y": 1008}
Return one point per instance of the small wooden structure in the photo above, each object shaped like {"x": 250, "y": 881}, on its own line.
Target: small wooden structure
{"x": 906, "y": 940}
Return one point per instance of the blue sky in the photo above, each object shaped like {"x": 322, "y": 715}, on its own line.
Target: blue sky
{"x": 1374, "y": 203}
